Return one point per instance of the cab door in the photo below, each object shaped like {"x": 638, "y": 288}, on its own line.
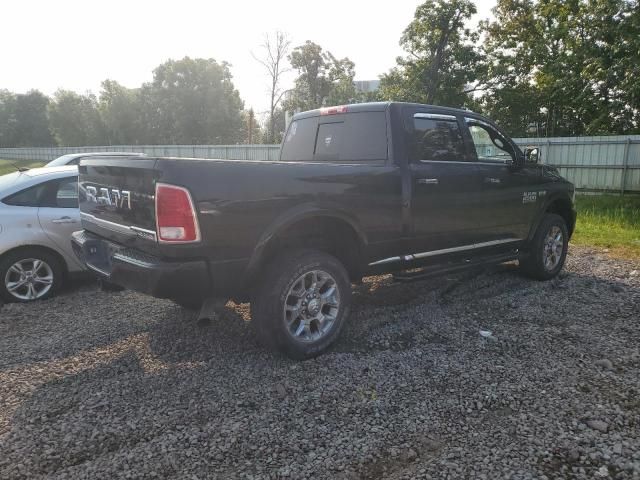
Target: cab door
{"x": 445, "y": 186}
{"x": 509, "y": 194}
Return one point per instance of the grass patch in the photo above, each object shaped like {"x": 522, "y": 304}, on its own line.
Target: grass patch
{"x": 609, "y": 221}
{"x": 7, "y": 166}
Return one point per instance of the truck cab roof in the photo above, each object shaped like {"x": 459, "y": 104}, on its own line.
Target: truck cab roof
{"x": 378, "y": 107}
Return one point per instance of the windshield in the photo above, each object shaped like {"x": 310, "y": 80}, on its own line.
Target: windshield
{"x": 60, "y": 161}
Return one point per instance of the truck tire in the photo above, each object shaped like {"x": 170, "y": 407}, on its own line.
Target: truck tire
{"x": 30, "y": 274}
{"x": 302, "y": 303}
{"x": 548, "y": 249}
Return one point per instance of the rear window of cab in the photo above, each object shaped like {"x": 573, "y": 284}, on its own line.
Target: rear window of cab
{"x": 350, "y": 137}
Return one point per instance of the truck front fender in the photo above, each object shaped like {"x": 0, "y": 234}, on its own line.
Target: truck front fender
{"x": 557, "y": 202}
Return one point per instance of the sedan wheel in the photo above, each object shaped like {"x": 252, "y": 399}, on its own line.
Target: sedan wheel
{"x": 29, "y": 279}
{"x": 29, "y": 274}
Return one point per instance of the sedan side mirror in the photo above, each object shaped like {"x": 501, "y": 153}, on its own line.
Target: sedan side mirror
{"x": 532, "y": 155}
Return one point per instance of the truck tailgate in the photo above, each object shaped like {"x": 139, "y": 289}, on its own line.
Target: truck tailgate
{"x": 117, "y": 199}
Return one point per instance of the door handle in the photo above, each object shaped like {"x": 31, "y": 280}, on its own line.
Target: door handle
{"x": 63, "y": 220}
{"x": 428, "y": 181}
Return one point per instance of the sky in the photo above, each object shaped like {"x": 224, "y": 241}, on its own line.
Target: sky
{"x": 75, "y": 44}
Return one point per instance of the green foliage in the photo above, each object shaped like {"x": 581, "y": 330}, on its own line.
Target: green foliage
{"x": 23, "y": 119}
{"x": 312, "y": 85}
{"x": 75, "y": 119}
{"x": 120, "y": 109}
{"x": 7, "y": 119}
{"x": 193, "y": 101}
{"x": 189, "y": 101}
{"x": 251, "y": 132}
{"x": 264, "y": 134}
{"x": 544, "y": 67}
{"x": 322, "y": 79}
{"x": 341, "y": 75}
{"x": 442, "y": 61}
{"x": 576, "y": 63}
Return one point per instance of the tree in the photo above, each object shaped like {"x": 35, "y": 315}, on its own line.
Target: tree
{"x": 322, "y": 78}
{"x": 7, "y": 118}
{"x": 274, "y": 58}
{"x": 23, "y": 119}
{"x": 75, "y": 119}
{"x": 442, "y": 64}
{"x": 312, "y": 85}
{"x": 341, "y": 75}
{"x": 576, "y": 62}
{"x": 611, "y": 40}
{"x": 32, "y": 121}
{"x": 120, "y": 111}
{"x": 252, "y": 131}
{"x": 150, "y": 130}
{"x": 193, "y": 101}
{"x": 280, "y": 124}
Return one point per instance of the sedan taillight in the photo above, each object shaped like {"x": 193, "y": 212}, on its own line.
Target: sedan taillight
{"x": 176, "y": 219}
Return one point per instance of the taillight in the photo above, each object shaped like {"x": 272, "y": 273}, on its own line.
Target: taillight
{"x": 176, "y": 219}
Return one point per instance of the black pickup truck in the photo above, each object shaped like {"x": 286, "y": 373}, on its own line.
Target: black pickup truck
{"x": 359, "y": 190}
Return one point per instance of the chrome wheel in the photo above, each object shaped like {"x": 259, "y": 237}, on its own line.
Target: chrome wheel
{"x": 311, "y": 306}
{"x": 553, "y": 247}
{"x": 29, "y": 279}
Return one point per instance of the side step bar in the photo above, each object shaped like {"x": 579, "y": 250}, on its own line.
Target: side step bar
{"x": 436, "y": 270}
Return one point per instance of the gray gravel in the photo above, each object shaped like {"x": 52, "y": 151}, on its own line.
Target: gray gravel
{"x": 118, "y": 385}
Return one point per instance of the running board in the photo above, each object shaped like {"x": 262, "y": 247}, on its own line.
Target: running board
{"x": 453, "y": 267}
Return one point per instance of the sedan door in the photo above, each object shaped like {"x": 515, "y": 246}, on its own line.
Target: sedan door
{"x": 59, "y": 215}
{"x": 445, "y": 186}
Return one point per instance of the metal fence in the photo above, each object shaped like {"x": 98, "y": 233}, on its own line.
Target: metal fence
{"x": 231, "y": 152}
{"x": 609, "y": 163}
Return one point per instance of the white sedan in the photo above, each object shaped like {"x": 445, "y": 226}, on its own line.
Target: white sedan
{"x": 38, "y": 213}
{"x": 74, "y": 158}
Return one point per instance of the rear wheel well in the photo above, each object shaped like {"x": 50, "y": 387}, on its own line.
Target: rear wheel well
{"x": 563, "y": 208}
{"x": 50, "y": 251}
{"x": 327, "y": 234}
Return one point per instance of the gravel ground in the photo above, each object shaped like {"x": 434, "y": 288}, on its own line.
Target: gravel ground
{"x": 104, "y": 385}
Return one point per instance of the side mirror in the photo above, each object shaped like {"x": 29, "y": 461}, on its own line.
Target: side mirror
{"x": 532, "y": 155}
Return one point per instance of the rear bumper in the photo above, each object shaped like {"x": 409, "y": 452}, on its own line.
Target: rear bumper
{"x": 142, "y": 272}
